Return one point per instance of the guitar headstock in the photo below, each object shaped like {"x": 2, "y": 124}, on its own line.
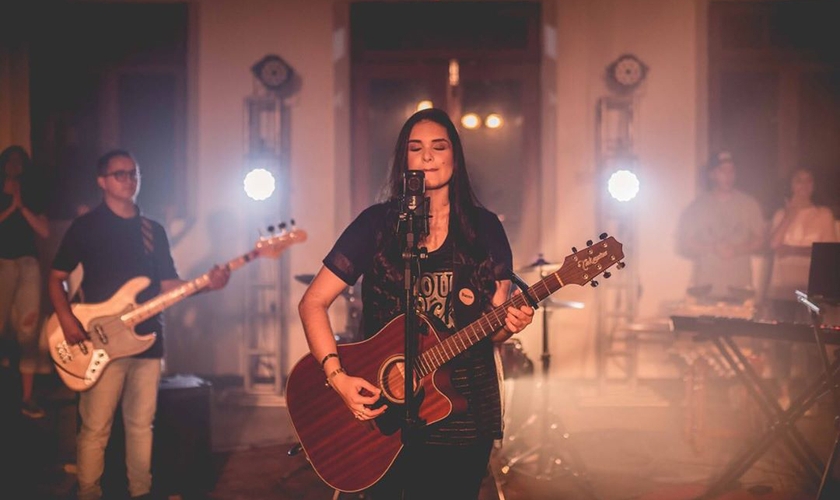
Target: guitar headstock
{"x": 274, "y": 245}
{"x": 584, "y": 266}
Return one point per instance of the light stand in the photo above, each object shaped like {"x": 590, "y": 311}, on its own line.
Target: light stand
{"x": 816, "y": 323}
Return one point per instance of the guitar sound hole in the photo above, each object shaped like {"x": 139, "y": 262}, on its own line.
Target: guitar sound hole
{"x": 392, "y": 380}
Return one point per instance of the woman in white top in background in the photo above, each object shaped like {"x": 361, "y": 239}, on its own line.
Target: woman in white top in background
{"x": 795, "y": 228}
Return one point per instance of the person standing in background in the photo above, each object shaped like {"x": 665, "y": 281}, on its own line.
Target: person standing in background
{"x": 22, "y": 221}
{"x": 115, "y": 243}
{"x": 795, "y": 228}
{"x": 719, "y": 231}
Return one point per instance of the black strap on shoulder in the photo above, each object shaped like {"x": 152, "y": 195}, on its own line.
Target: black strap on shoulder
{"x": 522, "y": 286}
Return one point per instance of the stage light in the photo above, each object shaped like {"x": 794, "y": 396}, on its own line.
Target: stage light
{"x": 259, "y": 184}
{"x": 454, "y": 73}
{"x": 427, "y": 104}
{"x": 623, "y": 185}
{"x": 493, "y": 120}
{"x": 470, "y": 121}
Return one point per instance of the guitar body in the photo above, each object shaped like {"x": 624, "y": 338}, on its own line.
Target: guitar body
{"x": 110, "y": 325}
{"x": 80, "y": 365}
{"x": 351, "y": 455}
{"x": 348, "y": 454}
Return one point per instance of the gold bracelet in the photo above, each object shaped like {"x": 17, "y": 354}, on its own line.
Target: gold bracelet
{"x": 333, "y": 374}
{"x": 328, "y": 356}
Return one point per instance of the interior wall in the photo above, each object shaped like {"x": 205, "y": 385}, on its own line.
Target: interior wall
{"x": 590, "y": 35}
{"x": 228, "y": 36}
{"x": 14, "y": 95}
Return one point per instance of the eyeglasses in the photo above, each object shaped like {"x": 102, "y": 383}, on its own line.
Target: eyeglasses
{"x": 123, "y": 175}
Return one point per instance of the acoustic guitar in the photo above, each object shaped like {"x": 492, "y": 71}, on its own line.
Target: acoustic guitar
{"x": 351, "y": 455}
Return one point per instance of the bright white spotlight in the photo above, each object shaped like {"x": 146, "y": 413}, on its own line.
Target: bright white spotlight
{"x": 493, "y": 120}
{"x": 424, "y": 105}
{"x": 623, "y": 185}
{"x": 258, "y": 184}
{"x": 470, "y": 121}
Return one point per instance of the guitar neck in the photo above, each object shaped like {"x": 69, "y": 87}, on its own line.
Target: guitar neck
{"x": 172, "y": 297}
{"x": 485, "y": 326}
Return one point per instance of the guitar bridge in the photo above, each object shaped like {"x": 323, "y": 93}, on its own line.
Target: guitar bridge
{"x": 63, "y": 352}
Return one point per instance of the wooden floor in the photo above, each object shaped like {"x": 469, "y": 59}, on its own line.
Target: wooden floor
{"x": 613, "y": 442}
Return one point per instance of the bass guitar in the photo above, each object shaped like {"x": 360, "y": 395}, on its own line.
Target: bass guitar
{"x": 110, "y": 325}
{"x": 351, "y": 455}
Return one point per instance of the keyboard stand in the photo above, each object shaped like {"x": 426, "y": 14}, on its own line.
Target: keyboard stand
{"x": 782, "y": 422}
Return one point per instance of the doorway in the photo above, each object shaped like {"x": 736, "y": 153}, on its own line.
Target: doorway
{"x": 480, "y": 58}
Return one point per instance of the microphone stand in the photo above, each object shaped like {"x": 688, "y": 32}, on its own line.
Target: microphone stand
{"x": 414, "y": 226}
{"x": 828, "y": 373}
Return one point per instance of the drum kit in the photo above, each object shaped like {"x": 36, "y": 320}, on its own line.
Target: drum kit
{"x": 537, "y": 444}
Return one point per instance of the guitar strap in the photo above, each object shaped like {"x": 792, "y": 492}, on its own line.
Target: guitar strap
{"x": 75, "y": 291}
{"x": 148, "y": 235}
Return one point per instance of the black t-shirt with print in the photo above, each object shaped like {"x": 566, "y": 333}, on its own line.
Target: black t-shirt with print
{"x": 474, "y": 373}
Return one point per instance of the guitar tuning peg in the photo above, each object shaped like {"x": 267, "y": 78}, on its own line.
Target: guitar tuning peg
{"x": 574, "y": 249}
{"x": 603, "y": 236}
{"x": 620, "y": 265}
{"x": 292, "y": 222}
{"x": 270, "y": 229}
{"x": 589, "y": 243}
{"x": 607, "y": 275}
{"x": 282, "y": 225}
{"x": 594, "y": 284}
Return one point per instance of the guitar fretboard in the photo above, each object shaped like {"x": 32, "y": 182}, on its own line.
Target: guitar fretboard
{"x": 578, "y": 268}
{"x": 490, "y": 323}
{"x": 164, "y": 300}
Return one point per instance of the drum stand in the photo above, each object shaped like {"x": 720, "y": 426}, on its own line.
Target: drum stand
{"x": 546, "y": 459}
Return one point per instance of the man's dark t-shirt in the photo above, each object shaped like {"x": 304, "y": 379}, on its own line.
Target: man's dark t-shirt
{"x": 111, "y": 251}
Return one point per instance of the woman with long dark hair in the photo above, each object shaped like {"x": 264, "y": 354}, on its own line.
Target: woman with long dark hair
{"x": 21, "y": 222}
{"x": 465, "y": 274}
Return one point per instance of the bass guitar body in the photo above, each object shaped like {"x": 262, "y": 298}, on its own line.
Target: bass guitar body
{"x": 81, "y": 365}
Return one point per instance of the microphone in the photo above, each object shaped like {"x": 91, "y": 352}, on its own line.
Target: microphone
{"x": 414, "y": 202}
{"x": 414, "y": 187}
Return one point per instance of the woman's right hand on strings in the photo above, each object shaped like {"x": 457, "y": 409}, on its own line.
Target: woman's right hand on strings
{"x": 359, "y": 395}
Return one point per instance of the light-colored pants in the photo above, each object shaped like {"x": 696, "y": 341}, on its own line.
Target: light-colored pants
{"x": 20, "y": 306}
{"x": 135, "y": 380}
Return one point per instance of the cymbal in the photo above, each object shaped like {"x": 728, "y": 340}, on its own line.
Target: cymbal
{"x": 562, "y": 304}
{"x": 541, "y": 265}
{"x": 304, "y": 278}
{"x": 542, "y": 268}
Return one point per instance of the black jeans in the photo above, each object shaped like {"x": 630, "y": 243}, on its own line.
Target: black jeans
{"x": 435, "y": 472}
